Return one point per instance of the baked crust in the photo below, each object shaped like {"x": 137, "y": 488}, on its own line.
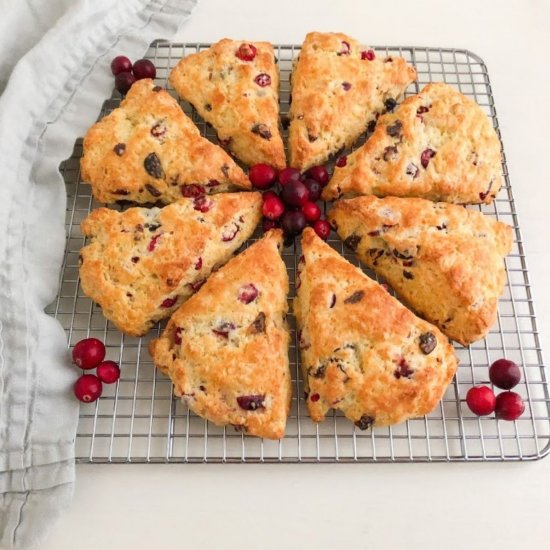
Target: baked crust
{"x": 444, "y": 260}
{"x": 336, "y": 94}
{"x": 224, "y": 90}
{"x": 438, "y": 145}
{"x": 142, "y": 264}
{"x": 226, "y": 348}
{"x": 361, "y": 348}
{"x": 149, "y": 150}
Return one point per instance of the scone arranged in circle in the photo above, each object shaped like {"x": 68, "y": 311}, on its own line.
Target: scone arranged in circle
{"x": 149, "y": 150}
{"x": 447, "y": 262}
{"x": 234, "y": 86}
{"x": 338, "y": 88}
{"x": 141, "y": 264}
{"x": 438, "y": 145}
{"x": 362, "y": 351}
{"x": 226, "y": 348}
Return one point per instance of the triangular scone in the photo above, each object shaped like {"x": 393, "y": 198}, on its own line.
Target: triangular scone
{"x": 141, "y": 264}
{"x": 338, "y": 88}
{"x": 362, "y": 351}
{"x": 234, "y": 86}
{"x": 438, "y": 145}
{"x": 226, "y": 349}
{"x": 149, "y": 150}
{"x": 444, "y": 260}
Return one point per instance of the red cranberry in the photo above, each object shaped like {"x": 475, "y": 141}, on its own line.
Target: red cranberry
{"x": 315, "y": 397}
{"x": 246, "y": 52}
{"x": 295, "y": 193}
{"x": 319, "y": 174}
{"x": 426, "y": 156}
{"x": 510, "y": 406}
{"x": 293, "y": 223}
{"x": 481, "y": 400}
{"x": 121, "y": 64}
{"x": 202, "y": 204}
{"x": 88, "y": 388}
{"x": 230, "y": 232}
{"x": 314, "y": 188}
{"x": 169, "y": 302}
{"x": 108, "y": 372}
{"x": 153, "y": 243}
{"x": 88, "y": 353}
{"x": 346, "y": 86}
{"x": 198, "y": 264}
{"x": 224, "y": 329}
{"x": 368, "y": 54}
{"x": 124, "y": 81}
{"x": 248, "y": 293}
{"x": 342, "y": 161}
{"x": 192, "y": 190}
{"x": 311, "y": 211}
{"x": 262, "y": 176}
{"x": 177, "y": 336}
{"x": 143, "y": 68}
{"x": 504, "y": 374}
{"x": 268, "y": 224}
{"x": 263, "y": 80}
{"x": 251, "y": 402}
{"x": 346, "y": 48}
{"x": 286, "y": 175}
{"x": 322, "y": 228}
{"x": 273, "y": 207}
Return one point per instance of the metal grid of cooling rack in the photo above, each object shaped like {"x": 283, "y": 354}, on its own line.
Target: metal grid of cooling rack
{"x": 139, "y": 420}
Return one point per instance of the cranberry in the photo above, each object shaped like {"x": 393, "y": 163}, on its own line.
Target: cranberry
{"x": 195, "y": 287}
{"x": 153, "y": 243}
{"x": 273, "y": 207}
{"x": 319, "y": 174}
{"x": 143, "y": 68}
{"x": 124, "y": 81}
{"x": 314, "y": 188}
{"x": 251, "y": 402}
{"x": 346, "y": 48}
{"x": 368, "y": 54}
{"x": 314, "y": 397}
{"x": 346, "y": 86}
{"x": 311, "y": 211}
{"x": 322, "y": 228}
{"x": 246, "y": 52}
{"x": 509, "y": 406}
{"x": 248, "y": 293}
{"x": 177, "y": 336}
{"x": 268, "y": 224}
{"x": 262, "y": 176}
{"x": 293, "y": 223}
{"x": 286, "y": 175}
{"x": 192, "y": 190}
{"x": 88, "y": 388}
{"x": 426, "y": 156}
{"x": 121, "y": 64}
{"x": 108, "y": 372}
{"x": 198, "y": 264}
{"x": 263, "y": 80}
{"x": 224, "y": 329}
{"x": 229, "y": 233}
{"x": 169, "y": 302}
{"x": 481, "y": 400}
{"x": 88, "y": 353}
{"x": 202, "y": 204}
{"x": 342, "y": 161}
{"x": 504, "y": 374}
{"x": 295, "y": 193}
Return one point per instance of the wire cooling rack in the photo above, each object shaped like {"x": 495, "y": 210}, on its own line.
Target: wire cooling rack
{"x": 139, "y": 420}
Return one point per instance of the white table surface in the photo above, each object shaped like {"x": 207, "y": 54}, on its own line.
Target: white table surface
{"x": 431, "y": 506}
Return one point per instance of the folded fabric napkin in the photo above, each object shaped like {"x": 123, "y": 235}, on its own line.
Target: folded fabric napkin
{"x": 60, "y": 52}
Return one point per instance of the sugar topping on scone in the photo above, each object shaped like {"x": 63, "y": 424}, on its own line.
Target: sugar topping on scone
{"x": 226, "y": 348}
{"x": 234, "y": 85}
{"x": 447, "y": 262}
{"x": 362, "y": 351}
{"x": 142, "y": 264}
{"x": 149, "y": 150}
{"x": 438, "y": 145}
{"x": 338, "y": 89}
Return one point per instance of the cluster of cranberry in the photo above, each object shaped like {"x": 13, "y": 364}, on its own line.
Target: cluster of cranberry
{"x": 89, "y": 354}
{"x": 508, "y": 405}
{"x": 127, "y": 73}
{"x": 295, "y": 203}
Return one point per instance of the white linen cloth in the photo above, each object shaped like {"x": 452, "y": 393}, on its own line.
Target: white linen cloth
{"x": 60, "y": 52}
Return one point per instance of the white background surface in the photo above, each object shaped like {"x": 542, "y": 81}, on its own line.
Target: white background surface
{"x": 433, "y": 506}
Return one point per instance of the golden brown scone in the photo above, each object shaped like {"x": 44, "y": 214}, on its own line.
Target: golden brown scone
{"x": 362, "y": 351}
{"x": 338, "y": 88}
{"x": 226, "y": 348}
{"x": 141, "y": 264}
{"x": 234, "y": 86}
{"x": 149, "y": 150}
{"x": 444, "y": 260}
{"x": 438, "y": 145}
